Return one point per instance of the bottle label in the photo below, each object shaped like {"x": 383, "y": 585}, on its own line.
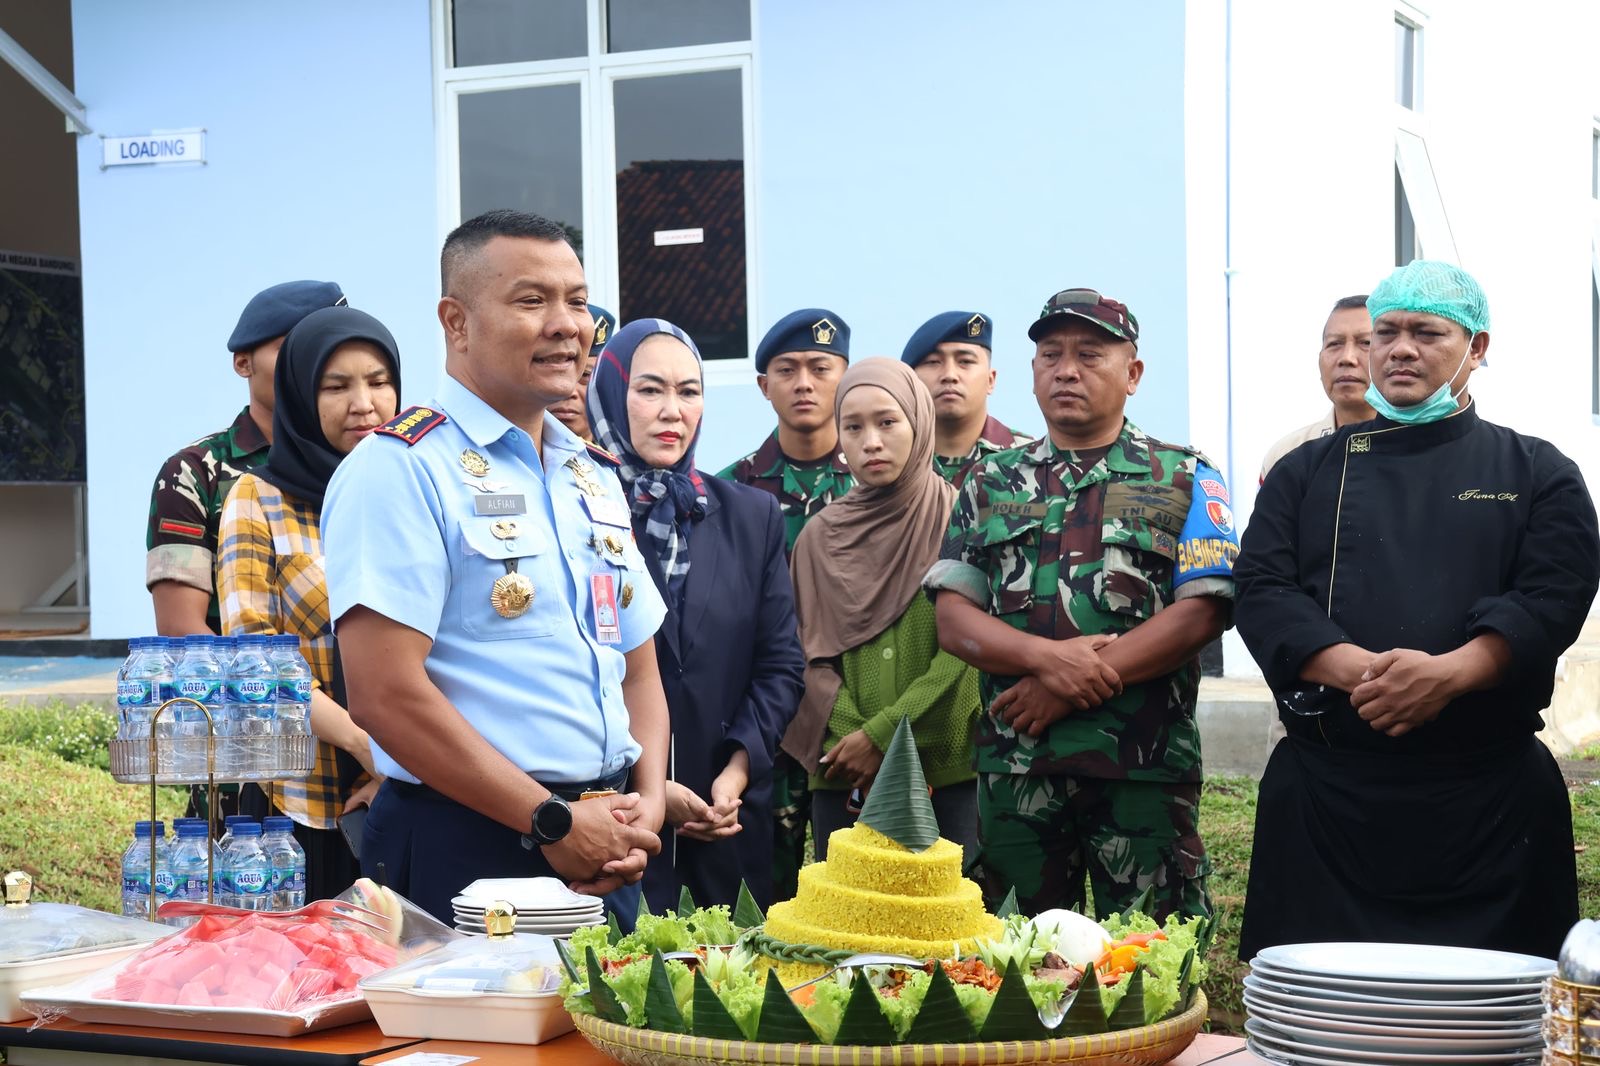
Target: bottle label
{"x": 251, "y": 882}
{"x": 135, "y": 886}
{"x": 297, "y": 881}
{"x": 297, "y": 690}
{"x": 165, "y": 886}
{"x": 133, "y": 693}
{"x": 251, "y": 690}
{"x": 203, "y": 689}
{"x": 192, "y": 888}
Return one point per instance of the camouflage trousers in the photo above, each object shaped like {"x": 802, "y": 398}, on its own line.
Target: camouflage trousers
{"x": 791, "y": 813}
{"x": 1040, "y": 834}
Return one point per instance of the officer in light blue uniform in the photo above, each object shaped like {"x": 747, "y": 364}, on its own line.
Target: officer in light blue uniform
{"x": 522, "y": 571}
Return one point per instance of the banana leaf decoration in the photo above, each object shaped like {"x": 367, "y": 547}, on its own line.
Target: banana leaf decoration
{"x": 614, "y": 934}
{"x": 1129, "y": 1011}
{"x": 780, "y": 1021}
{"x": 1013, "y": 1016}
{"x": 1086, "y": 1015}
{"x": 661, "y": 1009}
{"x": 1008, "y": 906}
{"x": 746, "y": 912}
{"x": 711, "y": 1018}
{"x": 941, "y": 1019}
{"x": 606, "y": 1004}
{"x": 897, "y": 804}
{"x": 686, "y": 905}
{"x": 564, "y": 953}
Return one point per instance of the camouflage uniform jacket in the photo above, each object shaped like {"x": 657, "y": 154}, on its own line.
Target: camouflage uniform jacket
{"x": 996, "y": 437}
{"x": 802, "y": 491}
{"x": 1146, "y": 525}
{"x": 186, "y": 507}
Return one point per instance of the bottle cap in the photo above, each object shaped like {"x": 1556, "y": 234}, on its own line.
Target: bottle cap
{"x": 274, "y": 822}
{"x": 247, "y": 829}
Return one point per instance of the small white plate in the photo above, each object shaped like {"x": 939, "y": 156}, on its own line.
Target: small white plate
{"x": 1346, "y": 1004}
{"x": 1281, "y": 1049}
{"x": 1506, "y": 987}
{"x": 1430, "y": 1044}
{"x": 533, "y": 893}
{"x": 1407, "y": 962}
{"x": 1379, "y": 1025}
{"x": 1373, "y": 992}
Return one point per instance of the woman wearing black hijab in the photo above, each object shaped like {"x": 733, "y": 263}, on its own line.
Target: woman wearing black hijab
{"x": 337, "y": 379}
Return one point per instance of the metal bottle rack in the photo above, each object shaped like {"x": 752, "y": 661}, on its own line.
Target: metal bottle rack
{"x": 295, "y": 758}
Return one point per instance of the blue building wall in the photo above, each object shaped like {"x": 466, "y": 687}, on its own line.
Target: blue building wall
{"x": 913, "y": 157}
{"x": 319, "y": 164}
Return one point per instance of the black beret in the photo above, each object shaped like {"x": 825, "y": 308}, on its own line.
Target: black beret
{"x": 812, "y": 329}
{"x": 962, "y": 327}
{"x": 274, "y": 312}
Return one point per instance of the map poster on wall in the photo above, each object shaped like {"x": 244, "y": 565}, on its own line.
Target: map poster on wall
{"x": 41, "y": 369}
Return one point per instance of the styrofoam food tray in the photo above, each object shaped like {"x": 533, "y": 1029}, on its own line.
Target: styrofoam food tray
{"x": 496, "y": 1017}
{"x": 201, "y": 1019}
{"x": 19, "y": 977}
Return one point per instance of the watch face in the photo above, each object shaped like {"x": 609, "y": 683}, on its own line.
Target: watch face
{"x": 553, "y": 819}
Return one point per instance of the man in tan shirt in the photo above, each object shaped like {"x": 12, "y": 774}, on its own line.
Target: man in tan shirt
{"x": 1343, "y": 362}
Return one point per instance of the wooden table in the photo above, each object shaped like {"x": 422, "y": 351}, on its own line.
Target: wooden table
{"x": 73, "y": 1043}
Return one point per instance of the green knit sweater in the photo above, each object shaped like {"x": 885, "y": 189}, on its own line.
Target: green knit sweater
{"x": 901, "y": 673}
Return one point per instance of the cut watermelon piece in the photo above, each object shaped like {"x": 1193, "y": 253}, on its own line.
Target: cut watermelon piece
{"x": 194, "y": 994}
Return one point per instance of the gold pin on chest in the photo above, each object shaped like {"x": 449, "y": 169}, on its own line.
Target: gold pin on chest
{"x": 512, "y": 595}
{"x": 505, "y": 529}
{"x": 474, "y": 464}
{"x": 583, "y": 474}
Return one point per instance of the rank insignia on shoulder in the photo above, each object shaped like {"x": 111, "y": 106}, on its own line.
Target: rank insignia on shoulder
{"x": 412, "y": 424}
{"x": 602, "y": 455}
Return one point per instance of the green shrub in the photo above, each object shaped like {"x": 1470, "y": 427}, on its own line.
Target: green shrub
{"x": 78, "y": 734}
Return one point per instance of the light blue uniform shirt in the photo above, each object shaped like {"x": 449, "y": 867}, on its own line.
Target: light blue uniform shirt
{"x": 402, "y": 537}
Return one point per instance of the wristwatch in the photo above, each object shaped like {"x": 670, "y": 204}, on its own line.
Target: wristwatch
{"x": 552, "y": 820}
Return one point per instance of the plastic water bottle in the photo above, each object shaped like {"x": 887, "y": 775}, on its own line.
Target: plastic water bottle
{"x": 189, "y": 861}
{"x": 224, "y": 892}
{"x": 199, "y": 677}
{"x": 161, "y": 657}
{"x": 131, "y": 694}
{"x": 249, "y": 874}
{"x": 250, "y": 709}
{"x": 294, "y": 687}
{"x": 137, "y": 874}
{"x": 288, "y": 863}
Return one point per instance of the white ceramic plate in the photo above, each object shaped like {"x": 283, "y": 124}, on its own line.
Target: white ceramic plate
{"x": 1345, "y": 1004}
{"x": 461, "y": 903}
{"x": 1505, "y": 987}
{"x": 541, "y": 916}
{"x": 1283, "y": 1049}
{"x": 1407, "y": 962}
{"x": 1401, "y": 1026}
{"x": 1429, "y": 1044}
{"x": 531, "y": 892}
{"x": 1378, "y": 992}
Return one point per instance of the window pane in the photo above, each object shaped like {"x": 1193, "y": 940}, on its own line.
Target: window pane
{"x": 1405, "y": 63}
{"x": 632, "y": 25}
{"x": 680, "y": 206}
{"x": 1434, "y": 238}
{"x": 1405, "y": 227}
{"x": 1594, "y": 165}
{"x": 523, "y": 149}
{"x": 516, "y": 31}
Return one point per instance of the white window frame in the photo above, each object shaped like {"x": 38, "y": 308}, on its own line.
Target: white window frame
{"x": 596, "y": 74}
{"x": 1418, "y": 21}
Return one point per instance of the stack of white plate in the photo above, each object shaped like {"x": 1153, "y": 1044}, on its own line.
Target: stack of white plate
{"x": 544, "y": 905}
{"x": 1338, "y": 1004}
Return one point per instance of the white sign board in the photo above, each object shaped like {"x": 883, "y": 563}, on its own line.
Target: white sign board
{"x": 182, "y": 146}
{"x": 680, "y": 236}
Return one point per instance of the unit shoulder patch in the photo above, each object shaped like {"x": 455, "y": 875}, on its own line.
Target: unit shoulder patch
{"x": 602, "y": 455}
{"x": 412, "y": 424}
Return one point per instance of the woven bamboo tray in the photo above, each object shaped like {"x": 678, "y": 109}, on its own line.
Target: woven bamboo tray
{"x": 1148, "y": 1045}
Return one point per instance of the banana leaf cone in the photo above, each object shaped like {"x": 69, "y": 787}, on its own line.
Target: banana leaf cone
{"x": 898, "y": 805}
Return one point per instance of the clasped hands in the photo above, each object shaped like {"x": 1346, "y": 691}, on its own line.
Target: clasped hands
{"x": 1068, "y": 675}
{"x": 718, "y": 819}
{"x": 1394, "y": 691}
{"x": 611, "y": 839}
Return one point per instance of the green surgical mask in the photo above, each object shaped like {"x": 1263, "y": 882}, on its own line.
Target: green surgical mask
{"x": 1441, "y": 404}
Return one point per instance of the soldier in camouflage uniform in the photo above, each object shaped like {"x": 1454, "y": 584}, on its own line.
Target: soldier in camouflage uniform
{"x": 952, "y": 353}
{"x": 186, "y": 501}
{"x": 798, "y": 366}
{"x": 1113, "y": 551}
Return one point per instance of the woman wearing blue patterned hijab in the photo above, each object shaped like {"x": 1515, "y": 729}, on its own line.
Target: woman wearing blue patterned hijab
{"x": 728, "y": 651}
{"x": 649, "y": 418}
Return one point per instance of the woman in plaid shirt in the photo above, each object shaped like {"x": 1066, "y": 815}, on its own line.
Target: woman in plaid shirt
{"x": 337, "y": 379}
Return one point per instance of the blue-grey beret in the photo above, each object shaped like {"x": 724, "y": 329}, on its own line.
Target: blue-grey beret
{"x": 274, "y": 312}
{"x": 962, "y": 327}
{"x": 812, "y": 329}
{"x": 605, "y": 324}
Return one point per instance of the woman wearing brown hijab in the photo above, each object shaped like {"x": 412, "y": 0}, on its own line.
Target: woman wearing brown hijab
{"x": 868, "y": 632}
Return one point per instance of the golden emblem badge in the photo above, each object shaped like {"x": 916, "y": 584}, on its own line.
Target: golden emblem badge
{"x": 505, "y": 529}
{"x": 512, "y": 595}
{"x": 627, "y": 593}
{"x": 600, "y": 332}
{"x": 1361, "y": 443}
{"x": 474, "y": 464}
{"x": 975, "y": 325}
{"x": 613, "y": 544}
{"x": 823, "y": 332}
{"x": 583, "y": 474}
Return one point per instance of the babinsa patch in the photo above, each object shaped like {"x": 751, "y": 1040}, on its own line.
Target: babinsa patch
{"x": 412, "y": 424}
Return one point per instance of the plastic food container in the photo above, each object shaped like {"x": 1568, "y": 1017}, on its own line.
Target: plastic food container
{"x": 48, "y": 943}
{"x": 500, "y": 989}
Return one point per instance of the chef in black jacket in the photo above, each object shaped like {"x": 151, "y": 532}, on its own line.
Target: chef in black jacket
{"x": 1407, "y": 585}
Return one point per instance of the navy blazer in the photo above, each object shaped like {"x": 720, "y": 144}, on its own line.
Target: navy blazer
{"x": 731, "y": 667}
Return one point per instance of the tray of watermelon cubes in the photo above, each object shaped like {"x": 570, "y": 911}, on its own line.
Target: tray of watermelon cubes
{"x": 260, "y": 973}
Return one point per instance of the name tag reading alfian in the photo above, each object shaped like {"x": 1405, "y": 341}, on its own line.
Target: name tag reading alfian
{"x": 500, "y": 503}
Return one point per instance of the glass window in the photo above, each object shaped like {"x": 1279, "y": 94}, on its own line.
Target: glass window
{"x": 523, "y": 149}
{"x": 1425, "y": 206}
{"x": 518, "y": 31}
{"x": 1405, "y": 63}
{"x": 634, "y": 25}
{"x": 1594, "y": 164}
{"x": 680, "y": 206}
{"x": 1405, "y": 227}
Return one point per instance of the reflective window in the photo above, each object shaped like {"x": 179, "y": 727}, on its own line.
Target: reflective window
{"x": 680, "y": 206}
{"x": 518, "y": 31}
{"x": 523, "y": 149}
{"x": 634, "y": 25}
{"x": 1406, "y": 37}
